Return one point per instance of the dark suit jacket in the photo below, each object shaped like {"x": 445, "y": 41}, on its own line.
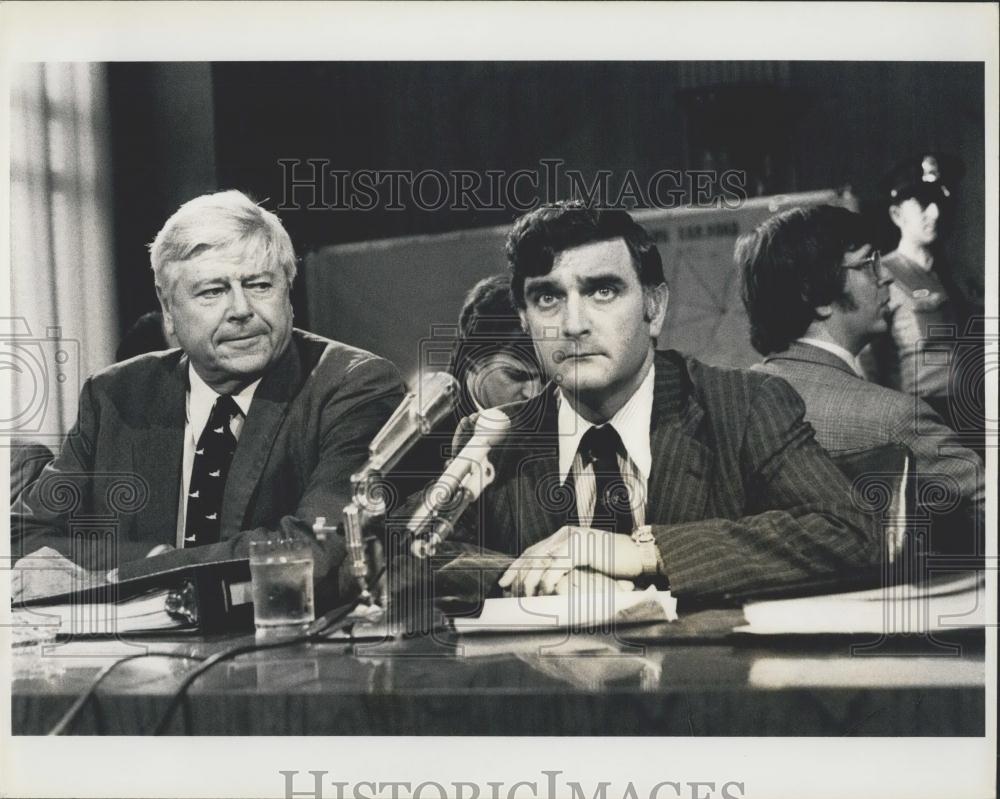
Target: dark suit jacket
{"x": 309, "y": 426}
{"x": 850, "y": 413}
{"x": 27, "y": 459}
{"x": 741, "y": 498}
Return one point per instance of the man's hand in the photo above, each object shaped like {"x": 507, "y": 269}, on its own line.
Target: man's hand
{"x": 542, "y": 566}
{"x": 585, "y": 581}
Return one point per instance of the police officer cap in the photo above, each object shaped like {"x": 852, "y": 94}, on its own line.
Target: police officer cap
{"x": 930, "y": 177}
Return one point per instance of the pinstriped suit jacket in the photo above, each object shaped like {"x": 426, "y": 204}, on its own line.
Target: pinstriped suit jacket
{"x": 741, "y": 498}
{"x": 850, "y": 413}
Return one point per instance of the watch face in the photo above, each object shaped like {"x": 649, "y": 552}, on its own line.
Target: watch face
{"x": 643, "y": 536}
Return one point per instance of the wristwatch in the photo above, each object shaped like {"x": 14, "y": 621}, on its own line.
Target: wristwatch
{"x": 643, "y": 538}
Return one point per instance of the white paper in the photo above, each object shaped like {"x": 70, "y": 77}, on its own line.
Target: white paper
{"x": 577, "y": 610}
{"x": 894, "y": 610}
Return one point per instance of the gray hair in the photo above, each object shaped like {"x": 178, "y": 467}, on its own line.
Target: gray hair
{"x": 227, "y": 221}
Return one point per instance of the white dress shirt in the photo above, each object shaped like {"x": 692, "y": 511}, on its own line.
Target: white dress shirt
{"x": 632, "y": 423}
{"x": 198, "y": 407}
{"x": 836, "y": 349}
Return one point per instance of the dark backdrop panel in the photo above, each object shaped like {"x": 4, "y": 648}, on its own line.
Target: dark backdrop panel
{"x": 180, "y": 129}
{"x": 163, "y": 153}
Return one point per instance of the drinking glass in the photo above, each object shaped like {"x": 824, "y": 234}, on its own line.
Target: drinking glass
{"x": 281, "y": 574}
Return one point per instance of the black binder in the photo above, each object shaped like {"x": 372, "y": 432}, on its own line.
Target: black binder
{"x": 213, "y": 596}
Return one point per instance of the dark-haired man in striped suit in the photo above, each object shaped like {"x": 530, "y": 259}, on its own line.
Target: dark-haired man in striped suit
{"x": 638, "y": 466}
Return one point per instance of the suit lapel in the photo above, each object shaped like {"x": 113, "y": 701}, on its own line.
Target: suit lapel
{"x": 158, "y": 450}
{"x": 270, "y": 402}
{"x": 533, "y": 495}
{"x": 682, "y": 466}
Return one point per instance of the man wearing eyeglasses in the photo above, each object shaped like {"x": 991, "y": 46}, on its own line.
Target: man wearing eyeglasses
{"x": 817, "y": 292}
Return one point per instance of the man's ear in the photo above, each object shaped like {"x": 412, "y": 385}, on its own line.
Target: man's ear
{"x": 168, "y": 319}
{"x": 824, "y": 312}
{"x": 894, "y": 215}
{"x": 654, "y": 300}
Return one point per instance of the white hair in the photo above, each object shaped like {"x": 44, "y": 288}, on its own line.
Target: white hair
{"x": 225, "y": 221}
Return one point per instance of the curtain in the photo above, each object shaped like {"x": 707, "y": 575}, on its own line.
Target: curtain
{"x": 62, "y": 324}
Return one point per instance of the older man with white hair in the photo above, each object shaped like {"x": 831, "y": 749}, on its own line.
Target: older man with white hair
{"x": 251, "y": 425}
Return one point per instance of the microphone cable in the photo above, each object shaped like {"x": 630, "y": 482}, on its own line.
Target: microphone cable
{"x": 317, "y": 633}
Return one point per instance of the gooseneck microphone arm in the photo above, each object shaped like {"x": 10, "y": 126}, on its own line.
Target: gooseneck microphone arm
{"x": 419, "y": 412}
{"x": 460, "y": 485}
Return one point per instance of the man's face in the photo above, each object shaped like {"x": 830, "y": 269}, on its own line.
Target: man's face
{"x": 501, "y": 378}
{"x": 865, "y": 311}
{"x": 233, "y": 319}
{"x": 917, "y": 220}
{"x": 592, "y": 323}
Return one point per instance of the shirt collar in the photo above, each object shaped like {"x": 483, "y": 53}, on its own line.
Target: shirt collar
{"x": 835, "y": 349}
{"x": 631, "y": 423}
{"x": 201, "y": 399}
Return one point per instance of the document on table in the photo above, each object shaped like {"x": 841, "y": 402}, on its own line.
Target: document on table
{"x": 574, "y": 611}
{"x": 144, "y": 613}
{"x": 954, "y": 602}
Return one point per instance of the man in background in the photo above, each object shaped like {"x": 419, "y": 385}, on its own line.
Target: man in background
{"x": 145, "y": 335}
{"x": 250, "y": 427}
{"x": 914, "y": 354}
{"x": 816, "y": 293}
{"x": 493, "y": 360}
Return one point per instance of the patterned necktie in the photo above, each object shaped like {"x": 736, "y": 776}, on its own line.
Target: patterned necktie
{"x": 212, "y": 457}
{"x": 600, "y": 447}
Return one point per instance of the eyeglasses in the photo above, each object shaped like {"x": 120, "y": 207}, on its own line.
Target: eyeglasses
{"x": 873, "y": 262}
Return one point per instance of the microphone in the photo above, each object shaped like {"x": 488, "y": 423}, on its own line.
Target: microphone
{"x": 460, "y": 484}
{"x": 416, "y": 415}
{"x": 419, "y": 412}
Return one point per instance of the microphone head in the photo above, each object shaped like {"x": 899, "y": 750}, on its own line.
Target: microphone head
{"x": 436, "y": 395}
{"x": 491, "y": 425}
{"x": 419, "y": 412}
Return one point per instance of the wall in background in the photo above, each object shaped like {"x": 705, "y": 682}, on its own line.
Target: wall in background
{"x": 163, "y": 153}
{"x": 411, "y": 281}
{"x": 180, "y": 129}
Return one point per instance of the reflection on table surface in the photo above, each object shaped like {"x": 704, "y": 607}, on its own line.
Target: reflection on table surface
{"x": 690, "y": 677}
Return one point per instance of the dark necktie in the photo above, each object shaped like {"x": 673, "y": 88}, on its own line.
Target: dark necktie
{"x": 599, "y": 448}
{"x": 212, "y": 457}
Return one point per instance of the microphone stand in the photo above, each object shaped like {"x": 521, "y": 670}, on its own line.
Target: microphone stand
{"x": 438, "y": 526}
{"x": 462, "y": 483}
{"x": 417, "y": 415}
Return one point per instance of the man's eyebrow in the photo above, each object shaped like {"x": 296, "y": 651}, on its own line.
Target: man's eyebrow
{"x": 541, "y": 286}
{"x": 591, "y": 282}
{"x": 200, "y": 283}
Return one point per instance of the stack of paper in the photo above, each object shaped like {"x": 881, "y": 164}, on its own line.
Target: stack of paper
{"x": 941, "y": 604}
{"x": 573, "y": 611}
{"x": 146, "y": 612}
